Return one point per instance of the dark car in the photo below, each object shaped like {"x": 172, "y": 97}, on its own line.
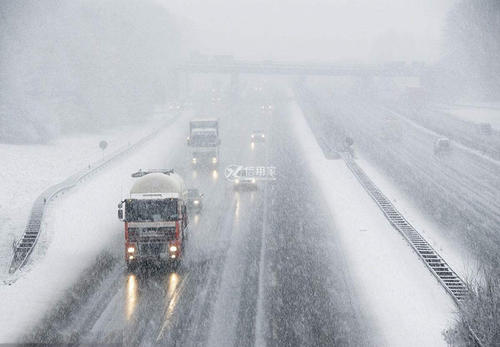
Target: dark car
{"x": 194, "y": 200}
{"x": 442, "y": 145}
{"x": 258, "y": 136}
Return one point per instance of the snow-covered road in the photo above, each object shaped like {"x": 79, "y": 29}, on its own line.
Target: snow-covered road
{"x": 409, "y": 306}
{"x": 457, "y": 191}
{"x": 306, "y": 260}
{"x": 77, "y": 227}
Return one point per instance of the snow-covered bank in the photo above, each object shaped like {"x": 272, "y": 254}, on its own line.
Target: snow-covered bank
{"x": 30, "y": 169}
{"x": 401, "y": 297}
{"x": 476, "y": 114}
{"x": 78, "y": 226}
{"x": 442, "y": 240}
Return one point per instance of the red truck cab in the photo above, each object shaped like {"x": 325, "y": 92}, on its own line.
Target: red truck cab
{"x": 155, "y": 218}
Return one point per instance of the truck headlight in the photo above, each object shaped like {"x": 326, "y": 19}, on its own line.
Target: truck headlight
{"x": 214, "y": 160}
{"x": 173, "y": 249}
{"x": 131, "y": 249}
{"x": 196, "y": 202}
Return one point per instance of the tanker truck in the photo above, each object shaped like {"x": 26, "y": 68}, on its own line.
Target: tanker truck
{"x": 155, "y": 218}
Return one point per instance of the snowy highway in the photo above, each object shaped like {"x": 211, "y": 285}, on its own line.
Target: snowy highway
{"x": 286, "y": 264}
{"x": 250, "y": 173}
{"x": 239, "y": 239}
{"x": 460, "y": 186}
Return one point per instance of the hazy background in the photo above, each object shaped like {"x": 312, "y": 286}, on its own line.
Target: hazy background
{"x": 329, "y": 30}
{"x": 81, "y": 65}
{"x": 86, "y": 65}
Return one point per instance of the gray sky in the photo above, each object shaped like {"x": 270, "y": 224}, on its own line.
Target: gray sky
{"x": 316, "y": 29}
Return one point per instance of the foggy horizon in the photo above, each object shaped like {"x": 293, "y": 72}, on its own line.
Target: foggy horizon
{"x": 250, "y": 173}
{"x": 323, "y": 31}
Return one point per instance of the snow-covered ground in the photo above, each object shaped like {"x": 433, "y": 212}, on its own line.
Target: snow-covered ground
{"x": 30, "y": 169}
{"x": 399, "y": 295}
{"x": 476, "y": 114}
{"x": 75, "y": 229}
{"x": 443, "y": 241}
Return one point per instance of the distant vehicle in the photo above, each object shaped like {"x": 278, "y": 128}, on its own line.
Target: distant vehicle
{"x": 194, "y": 200}
{"x": 174, "y": 107}
{"x": 155, "y": 217}
{"x": 485, "y": 128}
{"x": 204, "y": 141}
{"x": 266, "y": 107}
{"x": 244, "y": 181}
{"x": 257, "y": 136}
{"x": 442, "y": 145}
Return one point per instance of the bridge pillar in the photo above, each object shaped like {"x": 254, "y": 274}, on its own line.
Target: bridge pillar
{"x": 180, "y": 84}
{"x": 173, "y": 87}
{"x": 234, "y": 83}
{"x": 301, "y": 80}
{"x": 186, "y": 84}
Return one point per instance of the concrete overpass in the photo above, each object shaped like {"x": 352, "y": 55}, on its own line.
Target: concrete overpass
{"x": 232, "y": 67}
{"x": 395, "y": 69}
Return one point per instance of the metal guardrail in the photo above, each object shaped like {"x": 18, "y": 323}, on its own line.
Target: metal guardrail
{"x": 24, "y": 247}
{"x": 448, "y": 278}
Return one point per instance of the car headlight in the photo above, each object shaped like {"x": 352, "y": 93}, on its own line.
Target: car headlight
{"x": 194, "y": 160}
{"x": 214, "y": 160}
{"x": 253, "y": 136}
{"x": 131, "y": 249}
{"x": 253, "y": 180}
{"x": 173, "y": 249}
{"x": 263, "y": 135}
{"x": 237, "y": 181}
{"x": 196, "y": 202}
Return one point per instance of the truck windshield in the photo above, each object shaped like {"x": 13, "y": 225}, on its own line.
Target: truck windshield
{"x": 151, "y": 210}
{"x": 202, "y": 155}
{"x": 209, "y": 139}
